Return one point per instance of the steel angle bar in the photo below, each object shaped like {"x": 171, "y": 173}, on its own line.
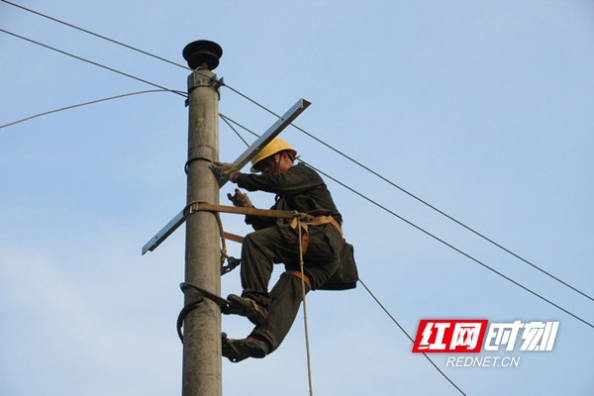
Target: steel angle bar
{"x": 164, "y": 233}
{"x": 270, "y": 134}
{"x": 240, "y": 162}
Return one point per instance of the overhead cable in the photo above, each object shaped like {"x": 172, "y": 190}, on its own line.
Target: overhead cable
{"x": 101, "y": 37}
{"x": 80, "y": 105}
{"x": 407, "y": 335}
{"x": 97, "y": 35}
{"x": 444, "y": 214}
{"x": 453, "y": 247}
{"x": 106, "y": 39}
{"x": 228, "y": 121}
{"x": 91, "y": 62}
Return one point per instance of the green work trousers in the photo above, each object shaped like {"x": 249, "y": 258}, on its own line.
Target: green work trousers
{"x": 280, "y": 244}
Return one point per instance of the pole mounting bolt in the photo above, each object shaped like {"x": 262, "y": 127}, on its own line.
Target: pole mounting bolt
{"x": 203, "y": 53}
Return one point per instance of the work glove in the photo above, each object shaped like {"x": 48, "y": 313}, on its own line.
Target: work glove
{"x": 241, "y": 200}
{"x": 226, "y": 170}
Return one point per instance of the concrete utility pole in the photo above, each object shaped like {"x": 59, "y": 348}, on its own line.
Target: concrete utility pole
{"x": 202, "y": 366}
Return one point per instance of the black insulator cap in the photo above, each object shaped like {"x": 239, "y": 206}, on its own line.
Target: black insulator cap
{"x": 203, "y": 53}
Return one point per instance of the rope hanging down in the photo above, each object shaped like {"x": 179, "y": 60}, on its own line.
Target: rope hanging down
{"x": 301, "y": 265}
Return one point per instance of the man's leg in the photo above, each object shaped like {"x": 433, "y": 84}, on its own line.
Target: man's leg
{"x": 321, "y": 261}
{"x": 286, "y": 295}
{"x": 260, "y": 250}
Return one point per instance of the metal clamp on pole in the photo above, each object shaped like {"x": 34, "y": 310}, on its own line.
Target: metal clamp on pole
{"x": 199, "y": 296}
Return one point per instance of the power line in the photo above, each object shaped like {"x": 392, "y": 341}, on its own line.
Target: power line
{"x": 443, "y": 213}
{"x": 228, "y": 121}
{"x": 101, "y": 37}
{"x": 453, "y": 247}
{"x": 91, "y": 62}
{"x": 408, "y": 336}
{"x": 80, "y": 105}
{"x": 97, "y": 35}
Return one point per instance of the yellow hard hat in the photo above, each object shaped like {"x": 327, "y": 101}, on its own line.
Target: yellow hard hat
{"x": 276, "y": 145}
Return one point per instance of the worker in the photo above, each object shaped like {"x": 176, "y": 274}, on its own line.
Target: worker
{"x": 298, "y": 188}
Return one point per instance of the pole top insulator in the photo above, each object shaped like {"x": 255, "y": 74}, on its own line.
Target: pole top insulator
{"x": 203, "y": 53}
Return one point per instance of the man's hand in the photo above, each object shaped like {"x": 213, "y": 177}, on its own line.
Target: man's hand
{"x": 226, "y": 170}
{"x": 241, "y": 200}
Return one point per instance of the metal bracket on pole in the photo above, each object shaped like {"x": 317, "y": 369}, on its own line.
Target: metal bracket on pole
{"x": 240, "y": 162}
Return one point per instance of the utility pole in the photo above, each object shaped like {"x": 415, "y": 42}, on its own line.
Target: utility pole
{"x": 202, "y": 366}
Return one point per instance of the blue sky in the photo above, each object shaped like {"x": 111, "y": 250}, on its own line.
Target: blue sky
{"x": 482, "y": 109}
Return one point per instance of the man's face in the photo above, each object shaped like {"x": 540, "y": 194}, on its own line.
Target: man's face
{"x": 268, "y": 165}
{"x": 275, "y": 164}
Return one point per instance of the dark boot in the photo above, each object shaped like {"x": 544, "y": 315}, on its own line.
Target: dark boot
{"x": 238, "y": 350}
{"x": 256, "y": 313}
